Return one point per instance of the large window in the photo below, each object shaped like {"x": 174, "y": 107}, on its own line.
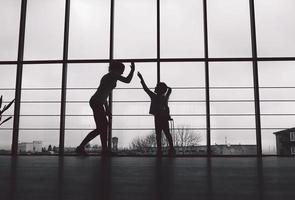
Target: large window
{"x": 225, "y": 94}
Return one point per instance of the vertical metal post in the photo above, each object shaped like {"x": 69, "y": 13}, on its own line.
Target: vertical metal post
{"x": 64, "y": 79}
{"x": 255, "y": 78}
{"x": 206, "y": 54}
{"x": 19, "y": 73}
{"x": 111, "y": 54}
{"x": 158, "y": 42}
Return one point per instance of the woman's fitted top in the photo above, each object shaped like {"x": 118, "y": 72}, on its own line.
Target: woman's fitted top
{"x": 107, "y": 84}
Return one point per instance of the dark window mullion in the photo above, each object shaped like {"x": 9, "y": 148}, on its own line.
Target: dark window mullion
{"x": 64, "y": 78}
{"x": 255, "y": 78}
{"x": 158, "y": 42}
{"x": 18, "y": 85}
{"x": 207, "y": 85}
{"x": 111, "y": 57}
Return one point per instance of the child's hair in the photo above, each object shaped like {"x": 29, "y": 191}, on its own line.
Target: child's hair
{"x": 161, "y": 88}
{"x": 116, "y": 66}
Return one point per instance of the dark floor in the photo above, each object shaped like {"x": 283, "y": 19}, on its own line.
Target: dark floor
{"x": 49, "y": 177}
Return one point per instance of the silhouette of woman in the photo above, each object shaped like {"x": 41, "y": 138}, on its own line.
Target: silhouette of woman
{"x": 159, "y": 108}
{"x": 100, "y": 107}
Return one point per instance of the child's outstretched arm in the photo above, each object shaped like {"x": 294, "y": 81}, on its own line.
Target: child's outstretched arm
{"x": 144, "y": 86}
{"x": 128, "y": 78}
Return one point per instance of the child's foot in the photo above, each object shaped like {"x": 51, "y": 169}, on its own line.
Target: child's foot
{"x": 171, "y": 152}
{"x": 81, "y": 151}
{"x": 159, "y": 154}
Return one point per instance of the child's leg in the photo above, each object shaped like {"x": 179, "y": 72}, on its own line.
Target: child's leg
{"x": 165, "y": 124}
{"x": 158, "y": 130}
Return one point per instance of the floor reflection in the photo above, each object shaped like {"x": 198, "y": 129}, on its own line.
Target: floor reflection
{"x": 146, "y": 178}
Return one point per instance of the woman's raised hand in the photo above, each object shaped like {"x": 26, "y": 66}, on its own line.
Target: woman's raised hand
{"x": 132, "y": 66}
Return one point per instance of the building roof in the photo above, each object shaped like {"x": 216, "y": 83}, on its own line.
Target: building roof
{"x": 284, "y": 131}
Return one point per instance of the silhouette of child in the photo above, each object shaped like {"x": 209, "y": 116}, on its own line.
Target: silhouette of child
{"x": 159, "y": 108}
{"x": 100, "y": 107}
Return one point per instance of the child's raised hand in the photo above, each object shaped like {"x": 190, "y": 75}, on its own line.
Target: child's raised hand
{"x": 139, "y": 75}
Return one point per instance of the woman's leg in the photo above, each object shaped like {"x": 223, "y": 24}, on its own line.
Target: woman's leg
{"x": 101, "y": 126}
{"x": 89, "y": 137}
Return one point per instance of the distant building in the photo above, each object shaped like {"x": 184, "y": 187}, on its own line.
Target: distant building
{"x": 285, "y": 141}
{"x": 237, "y": 149}
{"x": 233, "y": 149}
{"x": 115, "y": 143}
{"x": 30, "y": 147}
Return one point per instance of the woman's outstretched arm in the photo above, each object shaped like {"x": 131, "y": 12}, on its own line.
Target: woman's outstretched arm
{"x": 128, "y": 78}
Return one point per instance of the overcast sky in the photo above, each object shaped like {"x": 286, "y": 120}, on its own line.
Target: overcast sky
{"x": 135, "y": 37}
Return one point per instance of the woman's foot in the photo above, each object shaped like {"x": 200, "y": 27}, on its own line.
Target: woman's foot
{"x": 81, "y": 151}
{"x": 106, "y": 153}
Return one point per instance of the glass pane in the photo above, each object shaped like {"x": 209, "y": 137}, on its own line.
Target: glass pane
{"x": 135, "y": 29}
{"x": 9, "y": 25}
{"x": 133, "y": 122}
{"x": 40, "y": 108}
{"x": 188, "y": 75}
{"x": 7, "y": 91}
{"x": 229, "y": 28}
{"x": 7, "y": 76}
{"x": 126, "y": 137}
{"x": 182, "y": 28}
{"x": 44, "y": 29}
{"x": 232, "y": 108}
{"x": 277, "y": 86}
{"x": 89, "y": 29}
{"x": 275, "y": 28}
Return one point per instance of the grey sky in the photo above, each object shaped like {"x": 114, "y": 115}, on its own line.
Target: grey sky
{"x": 135, "y": 37}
